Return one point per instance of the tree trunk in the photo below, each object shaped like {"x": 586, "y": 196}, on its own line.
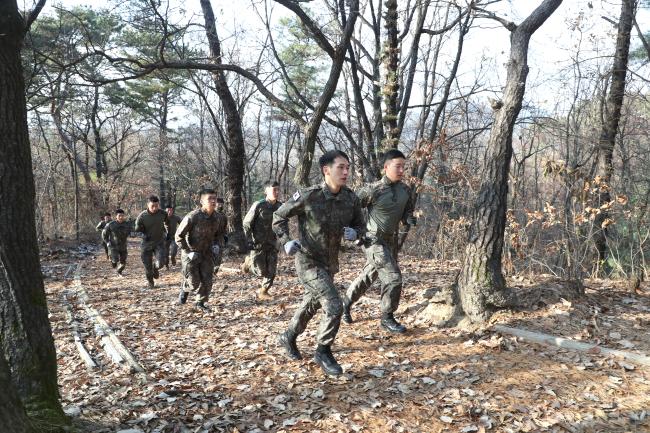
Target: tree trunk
{"x": 311, "y": 130}
{"x": 163, "y": 148}
{"x": 25, "y": 337}
{"x": 235, "y": 166}
{"x": 481, "y": 285}
{"x": 611, "y": 118}
{"x": 390, "y": 90}
{"x": 12, "y": 412}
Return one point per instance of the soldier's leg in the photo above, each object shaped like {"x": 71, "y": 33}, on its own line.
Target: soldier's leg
{"x": 106, "y": 250}
{"x": 257, "y": 262}
{"x": 307, "y": 309}
{"x": 391, "y": 290}
{"x": 165, "y": 255}
{"x": 271, "y": 267}
{"x": 160, "y": 252}
{"x": 122, "y": 261}
{"x": 114, "y": 255}
{"x": 146, "y": 254}
{"x": 205, "y": 273}
{"x": 361, "y": 284}
{"x": 191, "y": 274}
{"x": 218, "y": 259}
{"x": 173, "y": 250}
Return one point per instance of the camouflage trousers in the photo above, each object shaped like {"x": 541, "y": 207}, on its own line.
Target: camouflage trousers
{"x": 147, "y": 252}
{"x": 264, "y": 263}
{"x": 171, "y": 249}
{"x": 197, "y": 275}
{"x": 320, "y": 292}
{"x": 105, "y": 245}
{"x": 218, "y": 259}
{"x": 118, "y": 255}
{"x": 381, "y": 262}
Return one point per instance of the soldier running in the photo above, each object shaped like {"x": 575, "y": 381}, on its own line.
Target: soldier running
{"x": 263, "y": 258}
{"x": 152, "y": 223}
{"x": 325, "y": 212}
{"x": 200, "y": 236}
{"x": 388, "y": 202}
{"x": 115, "y": 235}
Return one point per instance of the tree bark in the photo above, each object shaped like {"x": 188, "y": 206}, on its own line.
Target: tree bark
{"x": 390, "y": 57}
{"x": 610, "y": 121}
{"x": 236, "y": 164}
{"x": 12, "y": 412}
{"x": 481, "y": 285}
{"x": 25, "y": 337}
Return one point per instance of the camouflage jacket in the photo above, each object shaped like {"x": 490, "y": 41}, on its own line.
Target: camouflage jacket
{"x": 388, "y": 203}
{"x": 102, "y": 224}
{"x": 198, "y": 231}
{"x": 152, "y": 225}
{"x": 258, "y": 223}
{"x": 115, "y": 234}
{"x": 321, "y": 218}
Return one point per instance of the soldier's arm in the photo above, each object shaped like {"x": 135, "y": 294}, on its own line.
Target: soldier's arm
{"x": 365, "y": 195}
{"x": 249, "y": 219}
{"x": 358, "y": 221}
{"x": 106, "y": 233}
{"x": 293, "y": 207}
{"x": 219, "y": 236}
{"x": 408, "y": 216}
{"x": 181, "y": 232}
{"x": 139, "y": 226}
{"x": 100, "y": 226}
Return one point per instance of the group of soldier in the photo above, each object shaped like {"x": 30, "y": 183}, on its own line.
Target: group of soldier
{"x": 325, "y": 213}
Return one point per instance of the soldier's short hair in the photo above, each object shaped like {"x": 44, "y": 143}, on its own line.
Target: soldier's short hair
{"x": 107, "y": 214}
{"x": 153, "y": 199}
{"x": 119, "y": 211}
{"x": 328, "y": 157}
{"x": 271, "y": 183}
{"x": 206, "y": 191}
{"x": 391, "y": 154}
{"x": 169, "y": 207}
{"x": 220, "y": 200}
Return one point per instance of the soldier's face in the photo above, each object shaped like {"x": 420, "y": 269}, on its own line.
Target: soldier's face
{"x": 170, "y": 211}
{"x": 120, "y": 217}
{"x": 107, "y": 218}
{"x": 394, "y": 169}
{"x": 209, "y": 202}
{"x": 337, "y": 173}
{"x": 153, "y": 206}
{"x": 272, "y": 193}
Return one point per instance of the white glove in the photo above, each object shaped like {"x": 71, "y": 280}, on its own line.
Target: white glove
{"x": 292, "y": 247}
{"x": 193, "y": 256}
{"x": 349, "y": 234}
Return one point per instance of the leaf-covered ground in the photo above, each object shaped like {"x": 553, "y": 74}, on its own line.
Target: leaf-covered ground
{"x": 222, "y": 371}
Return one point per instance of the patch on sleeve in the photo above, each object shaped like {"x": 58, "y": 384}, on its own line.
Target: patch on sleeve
{"x": 296, "y": 196}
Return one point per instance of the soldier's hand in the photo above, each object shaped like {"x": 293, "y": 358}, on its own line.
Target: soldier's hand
{"x": 193, "y": 256}
{"x": 349, "y": 234}
{"x": 412, "y": 220}
{"x": 292, "y": 247}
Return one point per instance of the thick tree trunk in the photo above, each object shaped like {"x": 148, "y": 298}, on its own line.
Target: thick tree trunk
{"x": 390, "y": 89}
{"x": 611, "y": 118}
{"x": 236, "y": 165}
{"x": 311, "y": 130}
{"x": 12, "y": 412}
{"x": 25, "y": 337}
{"x": 481, "y": 285}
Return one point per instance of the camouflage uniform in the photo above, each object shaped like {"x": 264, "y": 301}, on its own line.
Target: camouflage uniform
{"x": 170, "y": 245}
{"x": 198, "y": 232}
{"x": 153, "y": 226}
{"x": 258, "y": 228}
{"x": 115, "y": 235}
{"x": 321, "y": 219}
{"x": 100, "y": 228}
{"x": 388, "y": 203}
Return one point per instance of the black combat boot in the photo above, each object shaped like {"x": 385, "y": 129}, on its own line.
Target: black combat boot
{"x": 120, "y": 269}
{"x": 156, "y": 274}
{"x": 325, "y": 359}
{"x": 389, "y": 323}
{"x": 347, "y": 317}
{"x": 201, "y": 306}
{"x": 174, "y": 261}
{"x": 182, "y": 296}
{"x": 150, "y": 282}
{"x": 287, "y": 340}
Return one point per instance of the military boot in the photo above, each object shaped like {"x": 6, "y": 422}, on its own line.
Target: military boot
{"x": 263, "y": 294}
{"x": 246, "y": 266}
{"x": 287, "y": 340}
{"x": 389, "y": 323}
{"x": 156, "y": 274}
{"x": 182, "y": 296}
{"x": 120, "y": 269}
{"x": 347, "y": 317}
{"x": 325, "y": 359}
{"x": 200, "y": 305}
{"x": 150, "y": 282}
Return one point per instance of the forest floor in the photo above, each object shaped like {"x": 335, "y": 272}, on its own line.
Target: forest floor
{"x": 222, "y": 370}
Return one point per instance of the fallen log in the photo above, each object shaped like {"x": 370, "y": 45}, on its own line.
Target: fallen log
{"x": 565, "y": 343}
{"x": 83, "y": 353}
